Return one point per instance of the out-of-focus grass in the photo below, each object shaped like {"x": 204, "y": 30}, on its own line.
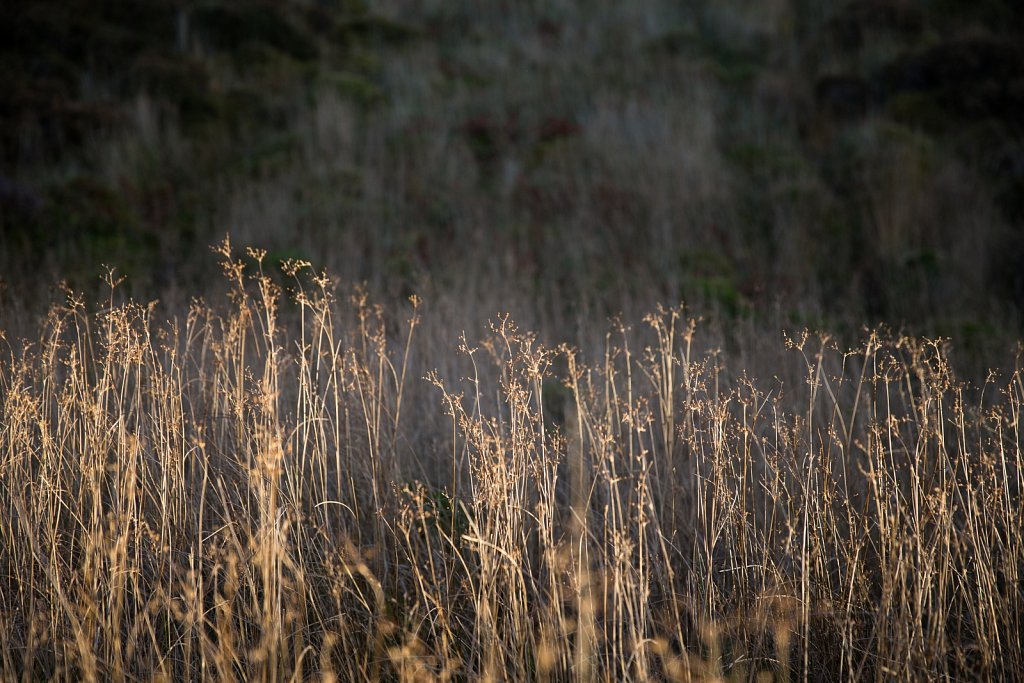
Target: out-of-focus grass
{"x": 853, "y": 161}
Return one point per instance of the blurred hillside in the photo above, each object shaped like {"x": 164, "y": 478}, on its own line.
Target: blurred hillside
{"x": 834, "y": 163}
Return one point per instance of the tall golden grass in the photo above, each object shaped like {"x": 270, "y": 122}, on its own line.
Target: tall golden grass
{"x": 278, "y": 487}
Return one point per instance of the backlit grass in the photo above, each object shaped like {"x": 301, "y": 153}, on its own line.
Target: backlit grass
{"x": 302, "y": 484}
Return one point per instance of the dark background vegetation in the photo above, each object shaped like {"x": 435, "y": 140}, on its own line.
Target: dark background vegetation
{"x": 830, "y": 164}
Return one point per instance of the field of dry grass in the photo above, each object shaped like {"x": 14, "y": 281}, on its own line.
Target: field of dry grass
{"x": 454, "y": 423}
{"x": 301, "y": 484}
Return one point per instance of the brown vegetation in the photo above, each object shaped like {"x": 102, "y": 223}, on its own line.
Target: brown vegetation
{"x": 295, "y": 477}
{"x": 292, "y": 487}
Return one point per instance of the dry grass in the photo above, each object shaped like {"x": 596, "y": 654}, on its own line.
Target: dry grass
{"x": 293, "y": 482}
{"x": 270, "y": 490}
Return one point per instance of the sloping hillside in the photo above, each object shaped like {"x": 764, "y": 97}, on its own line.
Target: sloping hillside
{"x": 847, "y": 161}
